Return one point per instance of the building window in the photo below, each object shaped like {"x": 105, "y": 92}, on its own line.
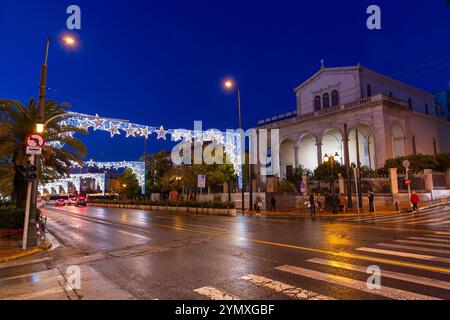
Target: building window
{"x": 427, "y": 110}
{"x": 391, "y": 94}
{"x": 369, "y": 90}
{"x": 317, "y": 103}
{"x": 437, "y": 111}
{"x": 410, "y": 103}
{"x": 414, "y": 145}
{"x": 335, "y": 98}
{"x": 326, "y": 100}
{"x": 435, "y": 149}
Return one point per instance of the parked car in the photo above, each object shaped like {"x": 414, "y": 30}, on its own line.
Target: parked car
{"x": 52, "y": 199}
{"x": 78, "y": 201}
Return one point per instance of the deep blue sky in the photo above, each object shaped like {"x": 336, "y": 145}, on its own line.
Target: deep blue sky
{"x": 162, "y": 61}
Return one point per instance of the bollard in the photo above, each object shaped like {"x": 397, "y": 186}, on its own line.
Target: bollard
{"x": 396, "y": 206}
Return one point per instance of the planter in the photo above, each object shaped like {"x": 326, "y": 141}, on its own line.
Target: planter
{"x": 169, "y": 209}
{"x": 6, "y": 233}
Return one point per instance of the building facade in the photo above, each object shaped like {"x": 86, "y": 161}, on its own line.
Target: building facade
{"x": 357, "y": 114}
{"x": 443, "y": 102}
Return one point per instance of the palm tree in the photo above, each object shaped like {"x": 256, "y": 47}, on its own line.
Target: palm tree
{"x": 16, "y": 121}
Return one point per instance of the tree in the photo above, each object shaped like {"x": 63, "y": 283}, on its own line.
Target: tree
{"x": 323, "y": 172}
{"x": 158, "y": 165}
{"x": 129, "y": 185}
{"x": 418, "y": 162}
{"x": 17, "y": 121}
{"x": 296, "y": 176}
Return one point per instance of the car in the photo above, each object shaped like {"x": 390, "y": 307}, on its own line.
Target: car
{"x": 61, "y": 202}
{"x": 77, "y": 201}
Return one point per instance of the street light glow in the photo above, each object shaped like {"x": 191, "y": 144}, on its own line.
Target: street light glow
{"x": 39, "y": 128}
{"x": 69, "y": 40}
{"x": 229, "y": 84}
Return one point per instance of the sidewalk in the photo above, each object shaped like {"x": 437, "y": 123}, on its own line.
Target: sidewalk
{"x": 304, "y": 212}
{"x": 11, "y": 249}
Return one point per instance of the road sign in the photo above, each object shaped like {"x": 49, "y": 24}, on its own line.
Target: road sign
{"x": 302, "y": 187}
{"x": 201, "y": 181}
{"x": 34, "y": 151}
{"x": 406, "y": 164}
{"x": 407, "y": 182}
{"x": 34, "y": 140}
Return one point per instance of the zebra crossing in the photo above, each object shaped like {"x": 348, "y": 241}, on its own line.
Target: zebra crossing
{"x": 437, "y": 216}
{"x": 308, "y": 280}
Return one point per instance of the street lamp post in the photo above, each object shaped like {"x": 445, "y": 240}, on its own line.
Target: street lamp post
{"x": 40, "y": 119}
{"x": 229, "y": 84}
{"x": 331, "y": 159}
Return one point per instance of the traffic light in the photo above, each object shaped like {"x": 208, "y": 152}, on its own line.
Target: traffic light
{"x": 32, "y": 172}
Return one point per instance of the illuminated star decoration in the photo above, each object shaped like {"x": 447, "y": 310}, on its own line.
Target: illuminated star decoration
{"x": 176, "y": 135}
{"x": 90, "y": 163}
{"x": 161, "y": 133}
{"x": 98, "y": 123}
{"x": 144, "y": 132}
{"x": 114, "y": 129}
{"x": 130, "y": 131}
{"x": 84, "y": 124}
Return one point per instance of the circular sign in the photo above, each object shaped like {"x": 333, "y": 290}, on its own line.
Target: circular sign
{"x": 407, "y": 182}
{"x": 34, "y": 140}
{"x": 406, "y": 164}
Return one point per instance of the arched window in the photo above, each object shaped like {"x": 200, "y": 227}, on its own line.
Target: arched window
{"x": 369, "y": 90}
{"x": 427, "y": 110}
{"x": 326, "y": 100}
{"x": 317, "y": 103}
{"x": 334, "y": 98}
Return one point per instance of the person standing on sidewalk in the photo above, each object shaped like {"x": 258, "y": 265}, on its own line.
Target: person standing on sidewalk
{"x": 312, "y": 205}
{"x": 273, "y": 204}
{"x": 415, "y": 201}
{"x": 342, "y": 203}
{"x": 371, "y": 202}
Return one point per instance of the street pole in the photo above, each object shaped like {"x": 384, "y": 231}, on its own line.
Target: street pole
{"x": 347, "y": 166}
{"x": 356, "y": 189}
{"x": 27, "y": 211}
{"x": 358, "y": 166}
{"x": 409, "y": 186}
{"x": 32, "y": 241}
{"x": 242, "y": 148}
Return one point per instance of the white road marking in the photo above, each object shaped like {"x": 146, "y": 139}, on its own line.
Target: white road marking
{"x": 405, "y": 254}
{"x": 441, "y": 245}
{"x": 384, "y": 273}
{"x": 37, "y": 295}
{"x": 284, "y": 288}
{"x": 440, "y": 223}
{"x": 134, "y": 234}
{"x": 442, "y": 232}
{"x": 215, "y": 294}
{"x": 421, "y": 221}
{"x": 384, "y": 291}
{"x": 399, "y": 246}
{"x": 430, "y": 239}
{"x": 436, "y": 236}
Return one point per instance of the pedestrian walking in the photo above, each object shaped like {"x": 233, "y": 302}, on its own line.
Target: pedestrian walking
{"x": 342, "y": 203}
{"x": 273, "y": 204}
{"x": 371, "y": 202}
{"x": 312, "y": 205}
{"x": 415, "y": 201}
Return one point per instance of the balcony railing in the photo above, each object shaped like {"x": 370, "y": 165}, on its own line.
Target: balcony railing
{"x": 293, "y": 117}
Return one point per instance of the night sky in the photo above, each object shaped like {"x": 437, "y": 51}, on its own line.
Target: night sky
{"x": 161, "y": 62}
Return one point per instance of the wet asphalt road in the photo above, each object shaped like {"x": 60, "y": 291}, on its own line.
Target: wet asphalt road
{"x": 166, "y": 256}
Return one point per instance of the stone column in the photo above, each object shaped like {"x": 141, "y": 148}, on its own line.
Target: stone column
{"x": 296, "y": 156}
{"x": 305, "y": 181}
{"x": 341, "y": 184}
{"x": 447, "y": 178}
{"x": 428, "y": 175}
{"x": 225, "y": 187}
{"x": 394, "y": 181}
{"x": 319, "y": 153}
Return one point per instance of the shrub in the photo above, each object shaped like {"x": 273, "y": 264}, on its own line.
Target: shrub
{"x": 167, "y": 203}
{"x": 11, "y": 218}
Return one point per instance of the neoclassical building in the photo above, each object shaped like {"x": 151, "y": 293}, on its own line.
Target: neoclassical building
{"x": 356, "y": 112}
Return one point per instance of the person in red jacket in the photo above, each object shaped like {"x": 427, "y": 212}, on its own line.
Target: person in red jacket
{"x": 415, "y": 201}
